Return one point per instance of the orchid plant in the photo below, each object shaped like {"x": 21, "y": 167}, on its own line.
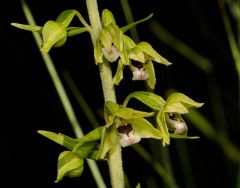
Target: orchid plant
{"x": 124, "y": 125}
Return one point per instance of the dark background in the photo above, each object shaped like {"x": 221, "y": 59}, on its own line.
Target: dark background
{"x": 30, "y": 102}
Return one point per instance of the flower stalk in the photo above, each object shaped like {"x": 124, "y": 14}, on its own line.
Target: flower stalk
{"x": 115, "y": 157}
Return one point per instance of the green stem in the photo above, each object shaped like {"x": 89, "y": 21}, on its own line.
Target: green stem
{"x": 62, "y": 95}
{"x": 115, "y": 157}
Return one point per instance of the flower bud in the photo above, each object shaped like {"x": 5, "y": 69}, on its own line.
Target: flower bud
{"x": 111, "y": 56}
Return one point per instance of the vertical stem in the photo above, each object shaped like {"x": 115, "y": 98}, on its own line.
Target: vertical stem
{"x": 115, "y": 157}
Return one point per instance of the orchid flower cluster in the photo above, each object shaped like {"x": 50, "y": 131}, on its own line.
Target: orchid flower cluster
{"x": 125, "y": 126}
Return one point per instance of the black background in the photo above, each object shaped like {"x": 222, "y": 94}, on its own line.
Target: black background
{"x": 30, "y": 102}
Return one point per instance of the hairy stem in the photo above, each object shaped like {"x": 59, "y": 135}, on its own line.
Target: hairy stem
{"x": 115, "y": 157}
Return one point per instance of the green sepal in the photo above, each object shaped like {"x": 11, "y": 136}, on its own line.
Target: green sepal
{"x": 109, "y": 110}
{"x": 183, "y": 137}
{"x": 69, "y": 164}
{"x": 93, "y": 135}
{"x": 87, "y": 146}
{"x": 177, "y": 107}
{"x": 129, "y": 113}
{"x": 98, "y": 54}
{"x": 54, "y": 34}
{"x": 144, "y": 128}
{"x": 151, "y": 54}
{"x": 87, "y": 150}
{"x": 130, "y": 26}
{"x": 124, "y": 55}
{"x": 119, "y": 73}
{"x": 161, "y": 122}
{"x": 128, "y": 42}
{"x": 107, "y": 18}
{"x": 150, "y": 99}
{"x": 106, "y": 40}
{"x": 72, "y": 31}
{"x": 185, "y": 100}
{"x": 66, "y": 17}
{"x": 33, "y": 28}
{"x": 109, "y": 140}
{"x": 149, "y": 68}
{"x": 59, "y": 138}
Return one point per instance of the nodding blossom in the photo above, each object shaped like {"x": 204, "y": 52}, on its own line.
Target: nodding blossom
{"x": 127, "y": 136}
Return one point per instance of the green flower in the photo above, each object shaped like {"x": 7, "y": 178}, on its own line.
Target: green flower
{"x": 55, "y": 33}
{"x": 125, "y": 126}
{"x": 114, "y": 45}
{"x": 168, "y": 112}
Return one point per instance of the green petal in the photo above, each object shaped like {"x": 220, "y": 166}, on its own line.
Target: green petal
{"x": 116, "y": 35}
{"x": 66, "y": 17}
{"x": 185, "y": 100}
{"x": 152, "y": 54}
{"x": 145, "y": 129}
{"x": 107, "y": 18}
{"x": 69, "y": 164}
{"x": 161, "y": 122}
{"x": 149, "y": 68}
{"x": 33, "y": 28}
{"x": 106, "y": 40}
{"x": 119, "y": 73}
{"x": 136, "y": 54}
{"x": 53, "y": 34}
{"x": 130, "y": 26}
{"x": 150, "y": 99}
{"x": 128, "y": 42}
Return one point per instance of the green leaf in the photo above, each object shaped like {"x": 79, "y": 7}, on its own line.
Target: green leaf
{"x": 98, "y": 54}
{"x": 109, "y": 140}
{"x": 145, "y": 129}
{"x": 161, "y": 122}
{"x": 151, "y": 53}
{"x": 53, "y": 34}
{"x": 66, "y": 17}
{"x": 109, "y": 110}
{"x": 149, "y": 68}
{"x": 33, "y": 28}
{"x": 119, "y": 73}
{"x": 150, "y": 99}
{"x": 183, "y": 137}
{"x": 175, "y": 107}
{"x": 72, "y": 31}
{"x": 107, "y": 18}
{"x": 69, "y": 164}
{"x": 61, "y": 139}
{"x": 130, "y": 26}
{"x": 185, "y": 100}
